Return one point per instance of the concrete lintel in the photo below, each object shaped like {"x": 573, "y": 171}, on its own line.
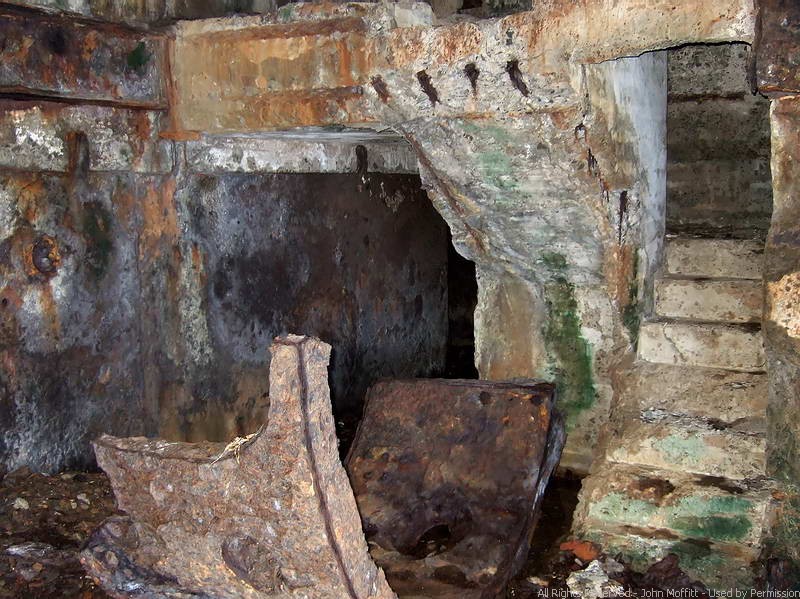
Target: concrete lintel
{"x": 306, "y": 151}
{"x": 347, "y": 64}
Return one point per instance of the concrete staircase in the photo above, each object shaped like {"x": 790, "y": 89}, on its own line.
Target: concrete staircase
{"x": 685, "y": 469}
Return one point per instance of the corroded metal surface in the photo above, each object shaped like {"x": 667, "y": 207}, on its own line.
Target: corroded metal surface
{"x": 778, "y": 47}
{"x": 448, "y": 475}
{"x": 273, "y": 516}
{"x": 65, "y": 58}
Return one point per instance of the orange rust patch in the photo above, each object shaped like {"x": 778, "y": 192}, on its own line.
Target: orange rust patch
{"x": 618, "y": 267}
{"x": 583, "y": 550}
{"x": 456, "y": 42}
{"x": 159, "y": 220}
{"x": 50, "y": 310}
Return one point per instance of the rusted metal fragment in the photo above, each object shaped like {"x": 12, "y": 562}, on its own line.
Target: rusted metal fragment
{"x": 269, "y": 516}
{"x": 778, "y": 47}
{"x": 448, "y": 476}
{"x": 72, "y": 60}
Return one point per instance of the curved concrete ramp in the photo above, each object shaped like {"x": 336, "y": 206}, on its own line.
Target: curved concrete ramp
{"x": 269, "y": 516}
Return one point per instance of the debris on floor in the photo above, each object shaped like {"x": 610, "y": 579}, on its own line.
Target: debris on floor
{"x": 40, "y": 544}
{"x": 44, "y": 521}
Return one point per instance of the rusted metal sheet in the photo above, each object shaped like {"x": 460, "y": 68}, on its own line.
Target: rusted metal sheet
{"x": 268, "y": 516}
{"x": 448, "y": 476}
{"x": 64, "y": 58}
{"x": 778, "y": 47}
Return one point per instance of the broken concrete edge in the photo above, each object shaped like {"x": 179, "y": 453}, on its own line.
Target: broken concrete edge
{"x": 300, "y": 395}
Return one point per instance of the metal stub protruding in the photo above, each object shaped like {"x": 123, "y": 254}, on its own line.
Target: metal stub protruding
{"x": 272, "y": 517}
{"x": 45, "y": 256}
{"x": 448, "y": 475}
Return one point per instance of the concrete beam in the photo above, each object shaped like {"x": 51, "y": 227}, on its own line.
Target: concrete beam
{"x": 353, "y": 63}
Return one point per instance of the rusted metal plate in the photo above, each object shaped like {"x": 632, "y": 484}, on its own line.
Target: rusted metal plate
{"x": 778, "y": 47}
{"x": 270, "y": 516}
{"x": 448, "y": 475}
{"x": 58, "y": 57}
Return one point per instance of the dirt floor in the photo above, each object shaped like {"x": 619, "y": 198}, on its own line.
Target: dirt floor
{"x": 44, "y": 521}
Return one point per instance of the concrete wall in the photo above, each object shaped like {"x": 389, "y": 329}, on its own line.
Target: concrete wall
{"x": 139, "y": 293}
{"x": 718, "y": 146}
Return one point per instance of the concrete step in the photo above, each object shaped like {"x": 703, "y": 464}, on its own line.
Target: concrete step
{"x": 714, "y": 258}
{"x": 718, "y": 566}
{"x": 737, "y": 301}
{"x": 705, "y": 345}
{"x": 668, "y": 503}
{"x": 711, "y": 394}
{"x": 693, "y": 449}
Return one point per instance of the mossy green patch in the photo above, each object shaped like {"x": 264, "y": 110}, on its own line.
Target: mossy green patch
{"x": 139, "y": 57}
{"x": 573, "y": 355}
{"x": 99, "y": 243}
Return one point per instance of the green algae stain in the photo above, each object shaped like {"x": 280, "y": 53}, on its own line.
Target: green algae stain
{"x": 495, "y": 165}
{"x": 717, "y": 528}
{"x": 573, "y": 355}
{"x": 682, "y": 449}
{"x": 496, "y": 168}
{"x": 631, "y": 314}
{"x": 97, "y": 232}
{"x": 716, "y": 518}
{"x": 138, "y": 58}
{"x": 617, "y": 507}
{"x": 285, "y": 13}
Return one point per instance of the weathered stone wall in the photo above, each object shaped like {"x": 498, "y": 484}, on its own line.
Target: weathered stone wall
{"x": 139, "y": 291}
{"x": 718, "y": 144}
